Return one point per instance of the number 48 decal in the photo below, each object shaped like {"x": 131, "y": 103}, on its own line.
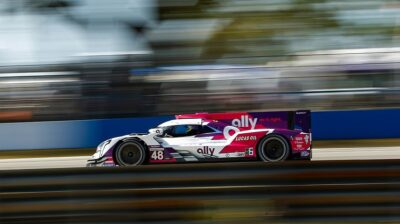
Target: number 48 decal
{"x": 157, "y": 155}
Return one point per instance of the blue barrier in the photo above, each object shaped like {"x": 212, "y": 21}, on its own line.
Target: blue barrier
{"x": 359, "y": 124}
{"x": 70, "y": 134}
{"x": 356, "y": 124}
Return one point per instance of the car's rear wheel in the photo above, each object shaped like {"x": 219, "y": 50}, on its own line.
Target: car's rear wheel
{"x": 130, "y": 153}
{"x": 273, "y": 148}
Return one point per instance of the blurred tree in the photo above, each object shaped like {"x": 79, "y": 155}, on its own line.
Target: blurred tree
{"x": 258, "y": 31}
{"x": 253, "y": 31}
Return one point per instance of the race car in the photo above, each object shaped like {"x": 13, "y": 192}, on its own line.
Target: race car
{"x": 203, "y": 137}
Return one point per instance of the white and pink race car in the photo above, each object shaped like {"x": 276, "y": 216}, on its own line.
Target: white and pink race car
{"x": 266, "y": 136}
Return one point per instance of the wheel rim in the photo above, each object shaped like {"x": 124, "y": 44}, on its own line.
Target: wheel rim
{"x": 129, "y": 154}
{"x": 274, "y": 149}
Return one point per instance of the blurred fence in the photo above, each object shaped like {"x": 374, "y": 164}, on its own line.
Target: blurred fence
{"x": 133, "y": 58}
{"x": 292, "y": 192}
{"x": 101, "y": 90}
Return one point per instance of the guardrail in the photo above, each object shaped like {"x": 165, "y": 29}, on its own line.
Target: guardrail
{"x": 290, "y": 192}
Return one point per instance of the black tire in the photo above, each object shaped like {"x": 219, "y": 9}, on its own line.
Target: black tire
{"x": 130, "y": 153}
{"x": 273, "y": 148}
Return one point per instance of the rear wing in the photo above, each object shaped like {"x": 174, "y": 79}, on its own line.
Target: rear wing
{"x": 292, "y": 120}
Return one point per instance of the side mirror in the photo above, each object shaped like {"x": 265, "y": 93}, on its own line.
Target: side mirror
{"x": 157, "y": 131}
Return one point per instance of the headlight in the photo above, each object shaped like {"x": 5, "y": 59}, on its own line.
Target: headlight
{"x": 103, "y": 144}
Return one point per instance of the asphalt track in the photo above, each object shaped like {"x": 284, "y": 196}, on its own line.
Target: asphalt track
{"x": 363, "y": 153}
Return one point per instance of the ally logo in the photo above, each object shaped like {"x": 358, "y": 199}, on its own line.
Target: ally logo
{"x": 244, "y": 122}
{"x": 206, "y": 151}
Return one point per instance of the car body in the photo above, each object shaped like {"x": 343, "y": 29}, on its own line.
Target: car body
{"x": 267, "y": 136}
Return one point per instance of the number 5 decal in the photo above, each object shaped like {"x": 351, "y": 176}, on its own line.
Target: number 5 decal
{"x": 157, "y": 155}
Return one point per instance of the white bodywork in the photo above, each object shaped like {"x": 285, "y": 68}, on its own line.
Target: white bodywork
{"x": 192, "y": 146}
{"x": 183, "y": 121}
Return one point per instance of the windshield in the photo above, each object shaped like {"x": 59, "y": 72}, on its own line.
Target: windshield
{"x": 186, "y": 130}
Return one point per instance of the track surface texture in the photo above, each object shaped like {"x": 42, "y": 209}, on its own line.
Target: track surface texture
{"x": 295, "y": 192}
{"x": 318, "y": 155}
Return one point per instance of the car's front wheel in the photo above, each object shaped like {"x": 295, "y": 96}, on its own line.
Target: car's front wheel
{"x": 130, "y": 153}
{"x": 273, "y": 148}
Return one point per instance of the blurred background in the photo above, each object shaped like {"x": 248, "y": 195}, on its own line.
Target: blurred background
{"x": 76, "y": 72}
{"x": 84, "y": 59}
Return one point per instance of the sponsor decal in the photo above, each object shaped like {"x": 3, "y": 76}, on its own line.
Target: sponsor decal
{"x": 306, "y": 138}
{"x": 228, "y": 129}
{"x": 271, "y": 119}
{"x": 304, "y": 153}
{"x": 301, "y": 141}
{"x": 244, "y": 122}
{"x": 241, "y": 154}
{"x": 156, "y": 149}
{"x": 206, "y": 151}
{"x": 246, "y": 138}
